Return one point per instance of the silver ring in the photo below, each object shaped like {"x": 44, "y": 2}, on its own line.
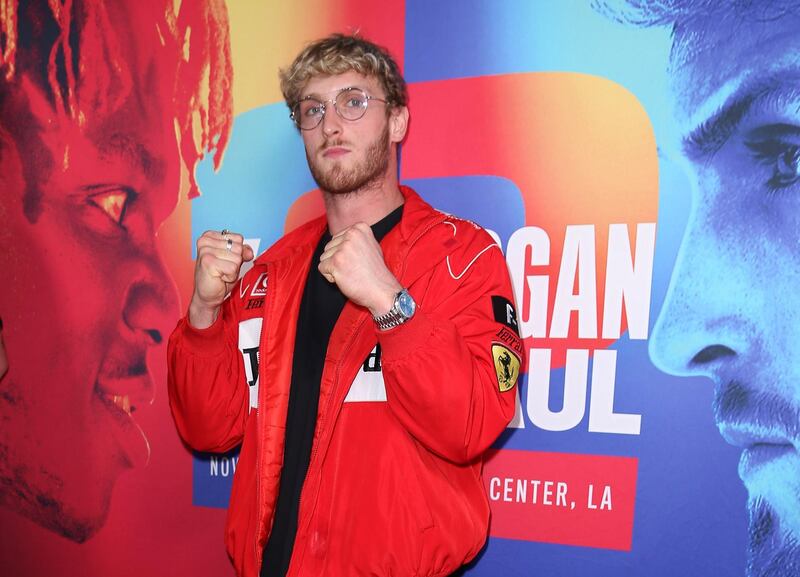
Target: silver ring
{"x": 229, "y": 244}
{"x": 225, "y": 231}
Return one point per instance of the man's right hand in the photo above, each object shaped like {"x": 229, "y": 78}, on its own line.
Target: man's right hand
{"x": 216, "y": 269}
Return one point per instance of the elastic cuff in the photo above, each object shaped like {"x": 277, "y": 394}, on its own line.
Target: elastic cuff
{"x": 404, "y": 339}
{"x": 208, "y": 340}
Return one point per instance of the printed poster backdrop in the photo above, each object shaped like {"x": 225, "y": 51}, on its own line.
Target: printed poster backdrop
{"x": 639, "y": 168}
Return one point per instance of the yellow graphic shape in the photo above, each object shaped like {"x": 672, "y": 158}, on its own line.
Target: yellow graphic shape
{"x": 506, "y": 365}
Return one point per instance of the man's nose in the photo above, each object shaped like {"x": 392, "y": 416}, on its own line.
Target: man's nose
{"x": 331, "y": 121}
{"x": 702, "y": 324}
{"x": 151, "y": 302}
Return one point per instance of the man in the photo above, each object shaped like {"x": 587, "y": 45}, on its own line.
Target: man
{"x": 378, "y": 333}
{"x": 732, "y": 312}
{"x": 90, "y": 95}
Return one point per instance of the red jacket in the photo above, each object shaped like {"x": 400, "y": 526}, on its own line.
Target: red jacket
{"x": 394, "y": 483}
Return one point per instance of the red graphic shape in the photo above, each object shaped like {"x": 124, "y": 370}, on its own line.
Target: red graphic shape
{"x": 580, "y": 148}
{"x": 562, "y": 498}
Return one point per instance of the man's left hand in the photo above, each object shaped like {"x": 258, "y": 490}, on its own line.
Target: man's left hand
{"x": 354, "y": 261}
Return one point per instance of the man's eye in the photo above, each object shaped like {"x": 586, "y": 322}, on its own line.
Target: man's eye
{"x": 114, "y": 202}
{"x": 355, "y": 102}
{"x": 782, "y": 157}
{"x": 787, "y": 166}
{"x": 351, "y": 99}
{"x": 312, "y": 110}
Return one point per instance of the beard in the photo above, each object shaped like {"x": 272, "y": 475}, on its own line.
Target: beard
{"x": 365, "y": 174}
{"x": 771, "y": 552}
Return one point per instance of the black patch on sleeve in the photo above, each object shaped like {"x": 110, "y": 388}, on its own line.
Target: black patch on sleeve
{"x": 504, "y": 312}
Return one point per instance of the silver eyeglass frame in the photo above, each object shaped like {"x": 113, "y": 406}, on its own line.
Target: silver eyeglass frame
{"x": 324, "y": 105}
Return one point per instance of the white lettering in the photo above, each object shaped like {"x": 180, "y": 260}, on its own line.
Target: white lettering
{"x": 577, "y": 267}
{"x": 605, "y": 503}
{"x": 548, "y": 493}
{"x": 507, "y": 490}
{"x": 529, "y": 247}
{"x": 602, "y": 418}
{"x": 513, "y": 490}
{"x": 605, "y": 500}
{"x": 561, "y": 494}
{"x": 627, "y": 282}
{"x": 535, "y": 484}
{"x": 574, "y": 404}
{"x": 494, "y": 486}
{"x": 522, "y": 491}
{"x": 222, "y": 466}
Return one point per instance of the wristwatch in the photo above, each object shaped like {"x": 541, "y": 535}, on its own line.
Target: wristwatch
{"x": 402, "y": 310}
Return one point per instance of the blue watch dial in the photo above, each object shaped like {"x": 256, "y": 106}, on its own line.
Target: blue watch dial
{"x": 406, "y": 304}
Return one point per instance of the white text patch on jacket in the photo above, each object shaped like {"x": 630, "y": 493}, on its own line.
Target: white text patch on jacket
{"x": 368, "y": 384}
{"x": 249, "y": 340}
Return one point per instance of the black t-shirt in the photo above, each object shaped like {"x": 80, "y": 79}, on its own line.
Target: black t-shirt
{"x": 319, "y": 310}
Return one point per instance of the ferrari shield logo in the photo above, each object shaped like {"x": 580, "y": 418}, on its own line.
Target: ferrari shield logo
{"x": 506, "y": 365}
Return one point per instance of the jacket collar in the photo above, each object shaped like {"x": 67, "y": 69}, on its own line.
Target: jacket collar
{"x": 418, "y": 219}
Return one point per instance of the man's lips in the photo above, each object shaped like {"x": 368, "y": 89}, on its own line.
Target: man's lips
{"x": 335, "y": 151}
{"x": 746, "y": 434}
{"x": 762, "y": 446}
{"x": 123, "y": 385}
{"x": 129, "y": 391}
{"x": 758, "y": 457}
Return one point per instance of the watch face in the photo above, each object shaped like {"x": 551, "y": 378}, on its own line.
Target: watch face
{"x": 406, "y": 304}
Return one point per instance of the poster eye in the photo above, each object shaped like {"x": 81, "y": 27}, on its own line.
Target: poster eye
{"x": 787, "y": 166}
{"x": 113, "y": 202}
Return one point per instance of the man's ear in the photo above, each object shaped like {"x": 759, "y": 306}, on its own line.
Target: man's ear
{"x": 398, "y": 124}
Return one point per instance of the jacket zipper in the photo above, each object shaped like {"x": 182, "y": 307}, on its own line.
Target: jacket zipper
{"x": 321, "y": 421}
{"x": 337, "y": 376}
{"x": 259, "y": 453}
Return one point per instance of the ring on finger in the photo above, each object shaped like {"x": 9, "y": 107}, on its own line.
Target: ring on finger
{"x": 229, "y": 244}
{"x": 225, "y": 232}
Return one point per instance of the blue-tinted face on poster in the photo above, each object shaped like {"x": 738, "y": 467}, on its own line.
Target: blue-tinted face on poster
{"x": 732, "y": 312}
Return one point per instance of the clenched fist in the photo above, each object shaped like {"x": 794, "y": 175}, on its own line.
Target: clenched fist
{"x": 354, "y": 261}
{"x": 219, "y": 258}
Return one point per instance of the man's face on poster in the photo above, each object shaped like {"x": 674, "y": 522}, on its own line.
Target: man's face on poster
{"x": 732, "y": 312}
{"x": 85, "y": 296}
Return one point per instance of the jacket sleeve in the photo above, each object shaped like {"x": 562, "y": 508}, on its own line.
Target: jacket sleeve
{"x": 450, "y": 372}
{"x": 208, "y": 391}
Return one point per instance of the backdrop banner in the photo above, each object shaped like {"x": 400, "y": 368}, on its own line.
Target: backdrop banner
{"x": 637, "y": 162}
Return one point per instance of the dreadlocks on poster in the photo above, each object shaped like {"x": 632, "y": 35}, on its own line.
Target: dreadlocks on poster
{"x": 105, "y": 110}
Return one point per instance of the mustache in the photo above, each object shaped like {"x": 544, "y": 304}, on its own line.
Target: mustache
{"x": 737, "y": 404}
{"x": 332, "y": 143}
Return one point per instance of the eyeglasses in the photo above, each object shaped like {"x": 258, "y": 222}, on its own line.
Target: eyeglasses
{"x": 350, "y": 104}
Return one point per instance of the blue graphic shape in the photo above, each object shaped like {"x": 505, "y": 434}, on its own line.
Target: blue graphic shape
{"x": 493, "y": 202}
{"x": 264, "y": 172}
{"x": 212, "y": 478}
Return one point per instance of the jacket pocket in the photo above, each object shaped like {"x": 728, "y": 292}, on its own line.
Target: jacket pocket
{"x": 373, "y": 510}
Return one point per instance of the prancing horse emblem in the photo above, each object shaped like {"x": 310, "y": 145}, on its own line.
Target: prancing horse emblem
{"x": 506, "y": 365}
